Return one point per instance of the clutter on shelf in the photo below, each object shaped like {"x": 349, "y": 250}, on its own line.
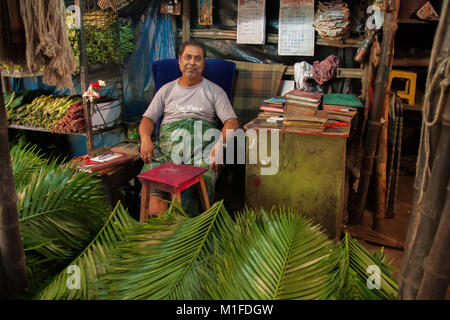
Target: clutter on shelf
{"x": 103, "y": 45}
{"x": 332, "y": 20}
{"x": 302, "y": 72}
{"x": 325, "y": 70}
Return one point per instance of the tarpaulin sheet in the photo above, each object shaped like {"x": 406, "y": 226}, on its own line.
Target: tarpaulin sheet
{"x": 154, "y": 41}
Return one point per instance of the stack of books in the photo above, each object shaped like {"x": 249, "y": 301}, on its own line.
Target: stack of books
{"x": 273, "y": 105}
{"x": 340, "y": 113}
{"x": 302, "y": 100}
{"x": 313, "y": 121}
{"x": 341, "y": 107}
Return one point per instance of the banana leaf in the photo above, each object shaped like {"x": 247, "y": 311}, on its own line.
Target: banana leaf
{"x": 8, "y": 97}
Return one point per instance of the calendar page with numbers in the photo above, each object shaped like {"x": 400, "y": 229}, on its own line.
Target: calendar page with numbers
{"x": 251, "y": 24}
{"x": 295, "y": 30}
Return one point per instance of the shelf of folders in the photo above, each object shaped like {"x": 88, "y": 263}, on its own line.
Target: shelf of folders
{"x": 56, "y": 113}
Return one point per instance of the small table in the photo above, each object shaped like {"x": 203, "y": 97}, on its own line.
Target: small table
{"x": 172, "y": 178}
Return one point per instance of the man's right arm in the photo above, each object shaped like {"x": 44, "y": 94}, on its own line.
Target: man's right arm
{"x": 145, "y": 133}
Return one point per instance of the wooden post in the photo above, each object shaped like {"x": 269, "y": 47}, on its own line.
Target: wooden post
{"x": 186, "y": 20}
{"x": 373, "y": 128}
{"x": 84, "y": 84}
{"x": 13, "y": 273}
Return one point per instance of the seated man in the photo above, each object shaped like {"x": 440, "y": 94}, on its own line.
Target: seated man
{"x": 188, "y": 101}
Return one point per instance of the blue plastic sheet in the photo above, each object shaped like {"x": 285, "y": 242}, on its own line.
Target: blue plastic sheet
{"x": 154, "y": 41}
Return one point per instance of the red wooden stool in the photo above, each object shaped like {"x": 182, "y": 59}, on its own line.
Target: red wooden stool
{"x": 172, "y": 178}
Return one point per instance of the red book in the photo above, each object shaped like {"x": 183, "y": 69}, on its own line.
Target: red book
{"x": 308, "y": 96}
{"x": 272, "y": 109}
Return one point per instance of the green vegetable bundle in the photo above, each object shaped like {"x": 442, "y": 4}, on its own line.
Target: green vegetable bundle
{"x": 103, "y": 45}
{"x": 44, "y": 111}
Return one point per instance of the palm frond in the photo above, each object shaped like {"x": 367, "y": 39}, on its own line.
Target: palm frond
{"x": 55, "y": 186}
{"x": 166, "y": 259}
{"x": 25, "y": 161}
{"x": 92, "y": 261}
{"x": 60, "y": 210}
{"x": 358, "y": 260}
{"x": 280, "y": 255}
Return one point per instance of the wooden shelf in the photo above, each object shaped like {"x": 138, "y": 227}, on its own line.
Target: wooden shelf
{"x": 40, "y": 129}
{"x": 20, "y": 74}
{"x": 416, "y": 21}
{"x": 415, "y": 107}
{"x": 272, "y": 38}
{"x": 355, "y": 73}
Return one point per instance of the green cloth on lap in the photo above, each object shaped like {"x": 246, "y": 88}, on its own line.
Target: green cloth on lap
{"x": 183, "y": 131}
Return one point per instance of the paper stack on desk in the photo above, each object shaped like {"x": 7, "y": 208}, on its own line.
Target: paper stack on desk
{"x": 112, "y": 159}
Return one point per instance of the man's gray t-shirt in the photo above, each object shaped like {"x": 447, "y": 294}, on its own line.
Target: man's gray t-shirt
{"x": 202, "y": 101}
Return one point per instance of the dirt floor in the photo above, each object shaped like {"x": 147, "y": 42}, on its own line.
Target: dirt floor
{"x": 396, "y": 227}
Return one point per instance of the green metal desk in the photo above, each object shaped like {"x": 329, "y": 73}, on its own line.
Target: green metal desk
{"x": 310, "y": 178}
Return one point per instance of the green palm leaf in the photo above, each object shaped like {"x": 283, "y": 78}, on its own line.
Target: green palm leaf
{"x": 60, "y": 210}
{"x": 25, "y": 161}
{"x": 92, "y": 261}
{"x": 276, "y": 256}
{"x": 167, "y": 259}
{"x": 357, "y": 260}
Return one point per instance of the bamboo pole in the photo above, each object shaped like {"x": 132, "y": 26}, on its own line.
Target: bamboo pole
{"x": 380, "y": 168}
{"x": 12, "y": 256}
{"x": 432, "y": 165}
{"x": 373, "y": 128}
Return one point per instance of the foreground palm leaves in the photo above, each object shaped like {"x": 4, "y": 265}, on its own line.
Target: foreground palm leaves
{"x": 60, "y": 211}
{"x": 279, "y": 255}
{"x": 77, "y": 249}
{"x": 78, "y": 279}
{"x": 168, "y": 258}
{"x": 276, "y": 256}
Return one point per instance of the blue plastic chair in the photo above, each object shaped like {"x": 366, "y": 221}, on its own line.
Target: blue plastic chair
{"x": 221, "y": 72}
